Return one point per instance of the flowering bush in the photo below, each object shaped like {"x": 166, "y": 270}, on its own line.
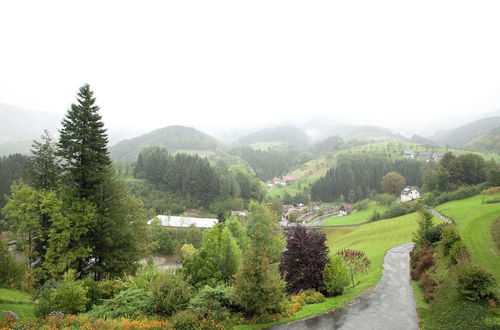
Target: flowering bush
{"x": 85, "y": 322}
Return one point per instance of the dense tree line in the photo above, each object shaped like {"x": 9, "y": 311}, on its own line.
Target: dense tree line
{"x": 194, "y": 178}
{"x": 463, "y": 170}
{"x": 357, "y": 176}
{"x": 12, "y": 168}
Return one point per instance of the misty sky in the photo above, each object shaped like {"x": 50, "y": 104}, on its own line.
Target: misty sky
{"x": 158, "y": 63}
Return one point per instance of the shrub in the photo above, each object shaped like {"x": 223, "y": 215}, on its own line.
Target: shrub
{"x": 218, "y": 302}
{"x": 335, "y": 276}
{"x": 69, "y": 297}
{"x": 427, "y": 283}
{"x": 187, "y": 251}
{"x": 495, "y": 232}
{"x": 384, "y": 199}
{"x": 312, "y": 296}
{"x": 375, "y": 216}
{"x": 130, "y": 303}
{"x": 109, "y": 288}
{"x": 362, "y": 204}
{"x": 93, "y": 293}
{"x": 427, "y": 232}
{"x": 421, "y": 261}
{"x": 461, "y": 193}
{"x": 185, "y": 320}
{"x": 170, "y": 294}
{"x": 449, "y": 236}
{"x": 458, "y": 252}
{"x": 475, "y": 283}
{"x": 491, "y": 191}
{"x": 258, "y": 288}
{"x": 398, "y": 209}
{"x": 11, "y": 272}
{"x": 492, "y": 201}
{"x": 144, "y": 278}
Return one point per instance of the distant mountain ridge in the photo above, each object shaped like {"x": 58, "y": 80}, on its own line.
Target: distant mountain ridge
{"x": 18, "y": 124}
{"x": 460, "y": 136}
{"x": 171, "y": 137}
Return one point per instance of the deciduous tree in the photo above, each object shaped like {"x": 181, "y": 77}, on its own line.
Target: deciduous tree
{"x": 304, "y": 259}
{"x": 393, "y": 182}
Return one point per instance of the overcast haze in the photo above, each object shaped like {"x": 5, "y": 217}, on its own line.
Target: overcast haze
{"x": 230, "y": 63}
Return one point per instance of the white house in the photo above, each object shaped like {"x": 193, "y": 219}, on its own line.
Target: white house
{"x": 410, "y": 193}
{"x": 185, "y": 222}
{"x": 345, "y": 209}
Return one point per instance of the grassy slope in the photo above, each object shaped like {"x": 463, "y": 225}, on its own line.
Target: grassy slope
{"x": 292, "y": 189}
{"x": 318, "y": 167}
{"x": 21, "y": 303}
{"x": 374, "y": 239}
{"x": 355, "y": 217}
{"x": 474, "y": 221}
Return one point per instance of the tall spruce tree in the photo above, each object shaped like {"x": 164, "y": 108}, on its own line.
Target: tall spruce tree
{"x": 83, "y": 146}
{"x": 114, "y": 236}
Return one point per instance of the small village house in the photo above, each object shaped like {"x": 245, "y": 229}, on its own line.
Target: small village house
{"x": 410, "y": 193}
{"x": 345, "y": 209}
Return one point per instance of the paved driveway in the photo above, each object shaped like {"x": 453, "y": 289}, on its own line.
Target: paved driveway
{"x": 390, "y": 305}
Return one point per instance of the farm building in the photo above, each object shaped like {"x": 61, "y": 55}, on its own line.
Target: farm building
{"x": 185, "y": 222}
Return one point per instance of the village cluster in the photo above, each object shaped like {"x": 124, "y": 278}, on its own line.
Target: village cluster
{"x": 423, "y": 155}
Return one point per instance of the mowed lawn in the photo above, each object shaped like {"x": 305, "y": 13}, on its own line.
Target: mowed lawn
{"x": 356, "y": 217}
{"x": 474, "y": 220}
{"x": 374, "y": 239}
{"x": 17, "y": 301}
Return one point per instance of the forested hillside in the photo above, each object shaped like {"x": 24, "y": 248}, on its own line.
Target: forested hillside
{"x": 172, "y": 137}
{"x": 486, "y": 143}
{"x": 288, "y": 135}
{"x": 458, "y": 137}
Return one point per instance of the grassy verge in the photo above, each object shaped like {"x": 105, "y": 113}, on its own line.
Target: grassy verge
{"x": 474, "y": 221}
{"x": 17, "y": 301}
{"x": 356, "y": 217}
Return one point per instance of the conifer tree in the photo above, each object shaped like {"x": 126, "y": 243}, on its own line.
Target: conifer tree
{"x": 43, "y": 166}
{"x": 83, "y": 146}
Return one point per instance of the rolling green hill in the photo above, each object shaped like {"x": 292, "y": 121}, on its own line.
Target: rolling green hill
{"x": 318, "y": 167}
{"x": 174, "y": 138}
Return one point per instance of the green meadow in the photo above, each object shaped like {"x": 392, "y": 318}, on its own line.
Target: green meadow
{"x": 17, "y": 301}
{"x": 474, "y": 220}
{"x": 355, "y": 217}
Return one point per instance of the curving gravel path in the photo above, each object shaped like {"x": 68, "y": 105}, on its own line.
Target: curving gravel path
{"x": 390, "y": 305}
